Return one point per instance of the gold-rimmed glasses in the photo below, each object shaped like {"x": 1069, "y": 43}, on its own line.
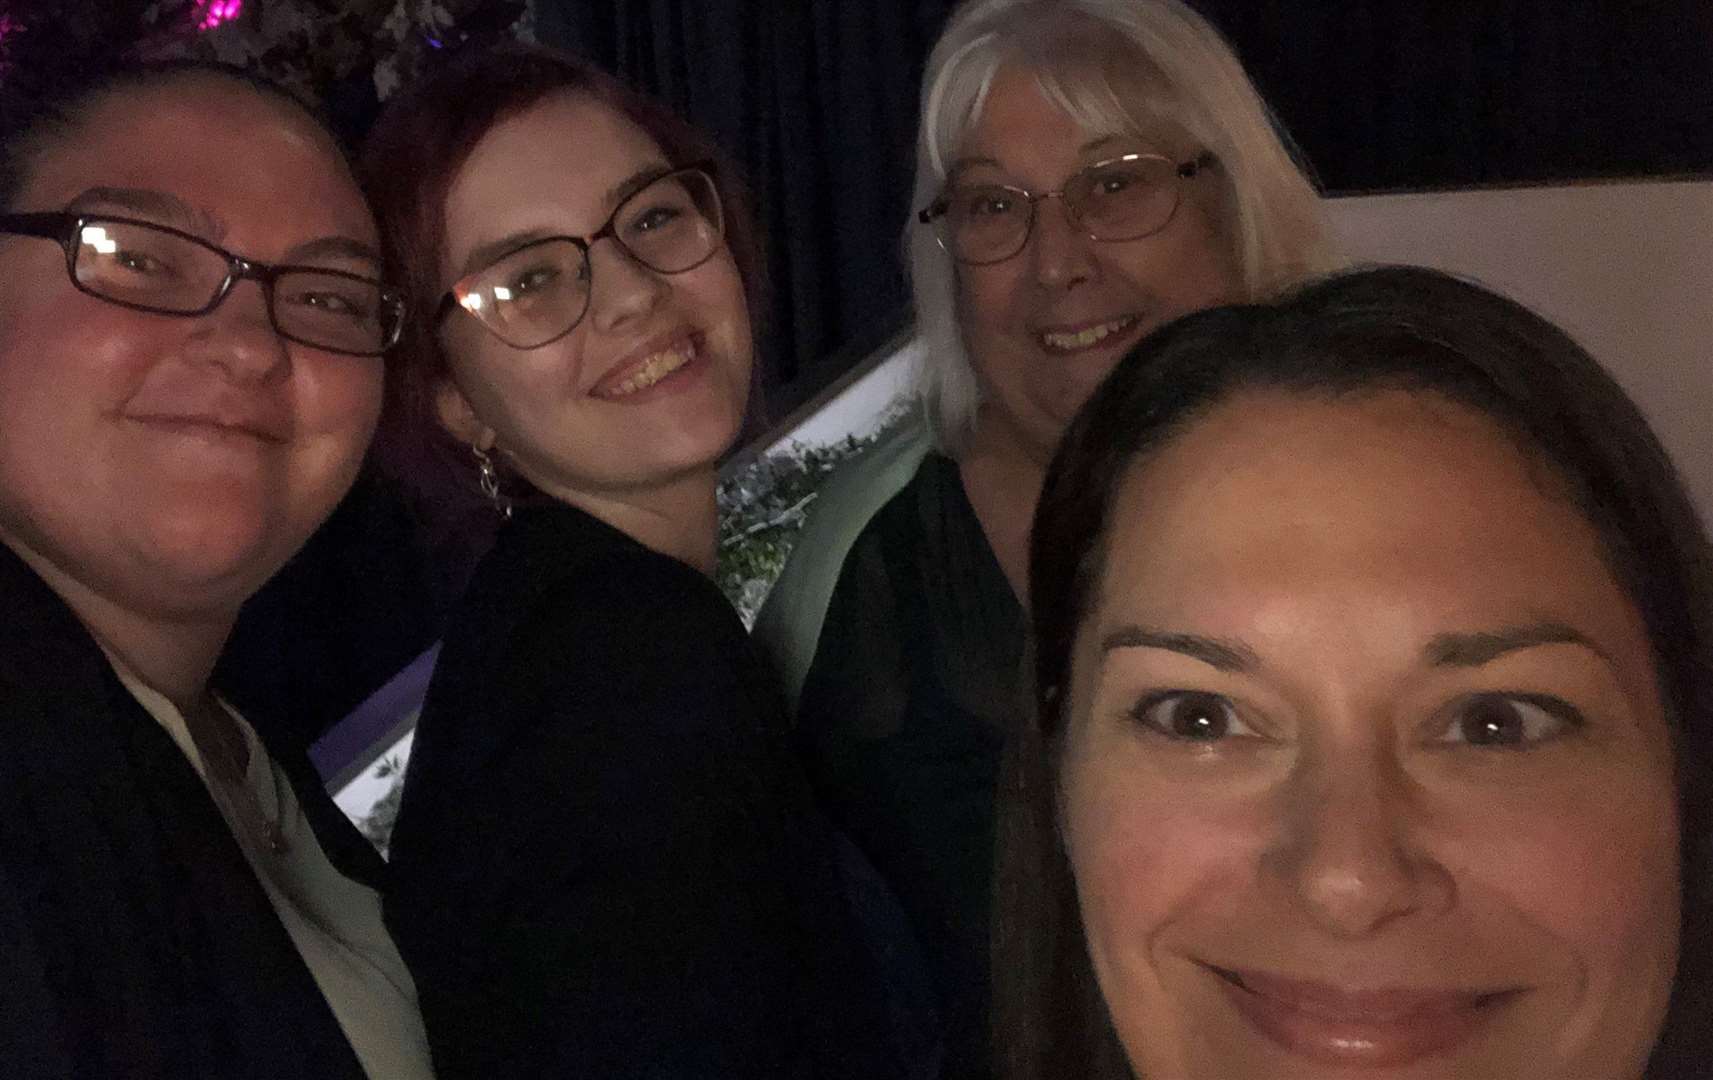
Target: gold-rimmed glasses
{"x": 1122, "y": 198}
{"x": 539, "y": 291}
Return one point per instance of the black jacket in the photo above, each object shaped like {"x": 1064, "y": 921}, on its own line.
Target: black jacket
{"x": 135, "y": 940}
{"x": 606, "y": 862}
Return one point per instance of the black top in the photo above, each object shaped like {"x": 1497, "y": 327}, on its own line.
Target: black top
{"x": 135, "y": 940}
{"x": 916, "y": 678}
{"x": 605, "y": 863}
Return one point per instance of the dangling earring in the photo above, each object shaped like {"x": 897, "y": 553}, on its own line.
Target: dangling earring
{"x": 490, "y": 482}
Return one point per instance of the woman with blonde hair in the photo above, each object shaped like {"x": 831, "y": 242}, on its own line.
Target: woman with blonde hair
{"x": 1086, "y": 171}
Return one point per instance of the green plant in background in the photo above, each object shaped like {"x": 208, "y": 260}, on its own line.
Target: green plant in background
{"x": 762, "y": 508}
{"x": 377, "y": 825}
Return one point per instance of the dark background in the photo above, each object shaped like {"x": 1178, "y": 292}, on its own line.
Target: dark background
{"x": 816, "y": 99}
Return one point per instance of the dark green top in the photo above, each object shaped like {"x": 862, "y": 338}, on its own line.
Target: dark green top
{"x": 916, "y": 678}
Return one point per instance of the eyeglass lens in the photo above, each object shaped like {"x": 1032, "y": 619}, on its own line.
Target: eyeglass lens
{"x": 540, "y": 292}
{"x": 1117, "y": 200}
{"x": 146, "y": 267}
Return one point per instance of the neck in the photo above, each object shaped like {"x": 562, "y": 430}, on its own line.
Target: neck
{"x": 172, "y": 653}
{"x": 679, "y": 519}
{"x": 1002, "y": 477}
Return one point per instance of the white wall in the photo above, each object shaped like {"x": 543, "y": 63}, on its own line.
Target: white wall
{"x": 1626, "y": 267}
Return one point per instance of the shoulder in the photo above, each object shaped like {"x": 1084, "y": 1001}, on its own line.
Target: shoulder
{"x": 788, "y": 627}
{"x": 562, "y": 617}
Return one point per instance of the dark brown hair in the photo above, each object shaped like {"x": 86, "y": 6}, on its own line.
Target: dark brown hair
{"x": 1376, "y": 329}
{"x": 409, "y": 163}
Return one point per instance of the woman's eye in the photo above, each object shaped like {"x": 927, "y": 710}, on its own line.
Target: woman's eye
{"x": 656, "y": 217}
{"x": 1112, "y": 183}
{"x": 1510, "y": 721}
{"x": 533, "y": 280}
{"x": 989, "y": 204}
{"x": 139, "y": 262}
{"x": 334, "y": 304}
{"x": 1193, "y": 716}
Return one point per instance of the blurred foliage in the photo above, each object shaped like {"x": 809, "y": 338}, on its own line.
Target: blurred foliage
{"x": 328, "y": 50}
{"x": 762, "y": 509}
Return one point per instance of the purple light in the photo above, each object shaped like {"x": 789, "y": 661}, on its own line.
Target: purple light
{"x": 215, "y": 12}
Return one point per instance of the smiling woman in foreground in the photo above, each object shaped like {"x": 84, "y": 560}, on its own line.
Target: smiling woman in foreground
{"x": 1373, "y": 682}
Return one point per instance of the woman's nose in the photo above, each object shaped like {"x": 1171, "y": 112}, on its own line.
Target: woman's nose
{"x": 1349, "y": 851}
{"x": 239, "y": 337}
{"x": 623, "y": 288}
{"x": 1060, "y": 251}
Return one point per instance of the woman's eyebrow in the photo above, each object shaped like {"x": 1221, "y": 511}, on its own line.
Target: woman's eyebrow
{"x": 335, "y": 247}
{"x": 483, "y": 255}
{"x": 965, "y": 164}
{"x": 1223, "y": 655}
{"x": 153, "y": 205}
{"x": 1475, "y": 648}
{"x": 634, "y": 183}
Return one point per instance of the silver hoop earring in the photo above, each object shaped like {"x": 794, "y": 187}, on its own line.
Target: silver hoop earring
{"x": 489, "y": 479}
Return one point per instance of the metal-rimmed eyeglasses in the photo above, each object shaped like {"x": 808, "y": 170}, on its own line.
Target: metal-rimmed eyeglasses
{"x": 161, "y": 270}
{"x": 537, "y": 292}
{"x": 1123, "y": 198}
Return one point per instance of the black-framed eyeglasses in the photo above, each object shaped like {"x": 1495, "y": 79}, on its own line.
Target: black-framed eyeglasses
{"x": 148, "y": 267}
{"x": 539, "y": 291}
{"x": 1123, "y": 198}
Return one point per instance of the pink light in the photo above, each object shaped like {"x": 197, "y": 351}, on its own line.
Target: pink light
{"x": 215, "y": 12}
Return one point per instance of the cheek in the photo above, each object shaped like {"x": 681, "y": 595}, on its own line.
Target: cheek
{"x": 339, "y": 397}
{"x": 64, "y": 366}
{"x": 338, "y": 404}
{"x": 986, "y": 298}
{"x": 719, "y": 292}
{"x": 504, "y": 387}
{"x": 1186, "y": 269}
{"x": 1596, "y": 867}
{"x": 1143, "y": 860}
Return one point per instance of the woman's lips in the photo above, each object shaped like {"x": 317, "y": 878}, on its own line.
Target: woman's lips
{"x": 649, "y": 368}
{"x": 1066, "y": 340}
{"x": 1374, "y": 1028}
{"x": 214, "y": 426}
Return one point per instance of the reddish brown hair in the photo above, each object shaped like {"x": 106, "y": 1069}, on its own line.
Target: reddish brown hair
{"x": 409, "y": 163}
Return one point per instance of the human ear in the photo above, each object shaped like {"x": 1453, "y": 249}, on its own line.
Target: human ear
{"x": 459, "y": 418}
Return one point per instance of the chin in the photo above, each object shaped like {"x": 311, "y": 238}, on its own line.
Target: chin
{"x": 213, "y": 561}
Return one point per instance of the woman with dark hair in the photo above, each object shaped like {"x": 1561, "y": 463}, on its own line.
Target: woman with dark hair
{"x": 1374, "y": 668}
{"x": 606, "y": 862}
{"x": 191, "y": 328}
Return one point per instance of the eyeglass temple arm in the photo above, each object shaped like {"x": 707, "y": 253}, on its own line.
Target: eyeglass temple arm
{"x": 48, "y": 226}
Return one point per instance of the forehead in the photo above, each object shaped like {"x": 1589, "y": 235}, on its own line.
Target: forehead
{"x": 1030, "y": 119}
{"x": 565, "y": 151}
{"x": 260, "y": 167}
{"x": 1396, "y": 493}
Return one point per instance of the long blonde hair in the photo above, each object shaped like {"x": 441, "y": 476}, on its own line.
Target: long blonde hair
{"x": 1112, "y": 65}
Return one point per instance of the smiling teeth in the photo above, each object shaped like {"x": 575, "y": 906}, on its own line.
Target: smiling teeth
{"x": 1082, "y": 339}
{"x": 655, "y": 368}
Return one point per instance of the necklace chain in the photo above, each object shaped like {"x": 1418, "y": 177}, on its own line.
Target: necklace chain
{"x": 225, "y": 754}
